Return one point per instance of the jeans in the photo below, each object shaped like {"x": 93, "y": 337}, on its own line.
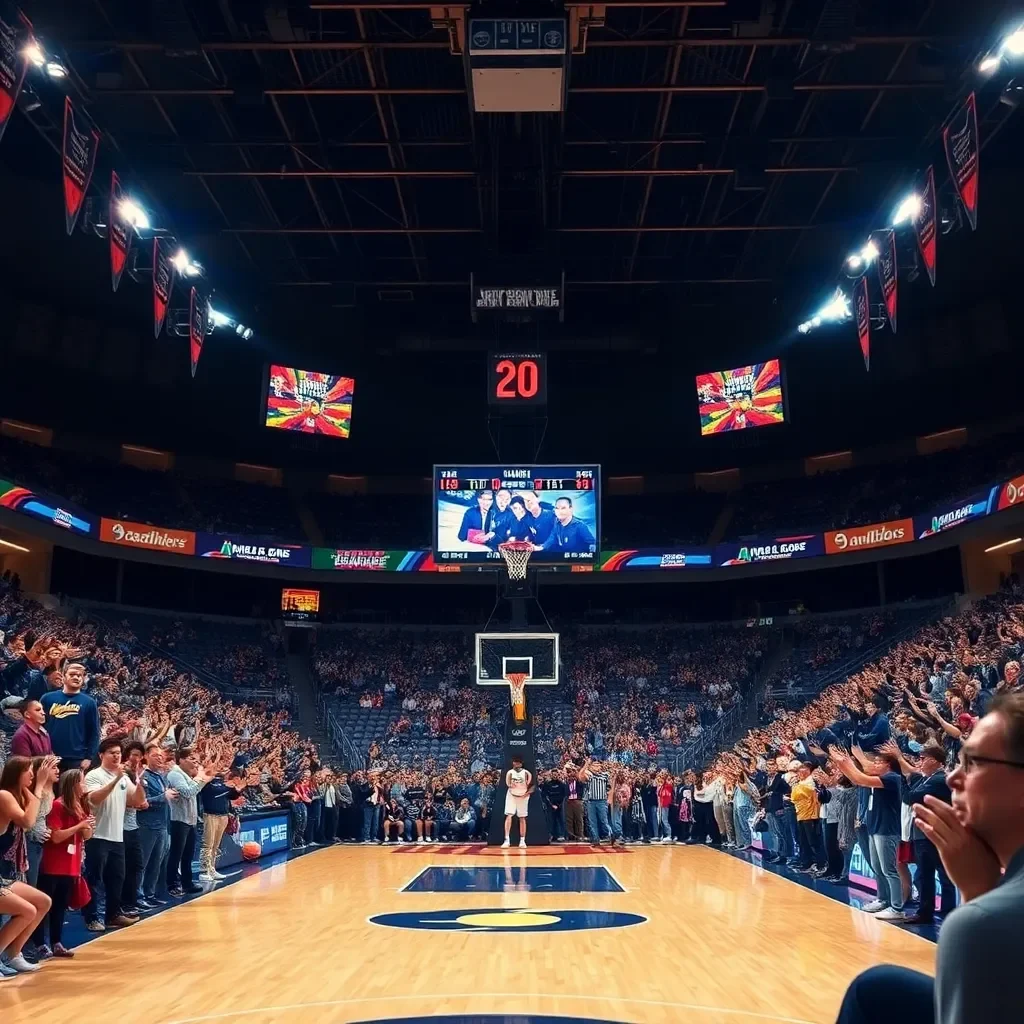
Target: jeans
{"x": 928, "y": 862}
{"x": 104, "y": 871}
{"x": 741, "y": 811}
{"x": 558, "y": 821}
{"x": 152, "y": 842}
{"x": 889, "y": 995}
{"x": 794, "y": 832}
{"x": 811, "y": 850}
{"x": 314, "y": 812}
{"x": 780, "y": 831}
{"x": 35, "y": 855}
{"x": 615, "y": 814}
{"x": 883, "y": 864}
{"x": 179, "y": 860}
{"x": 132, "y": 867}
{"x": 299, "y": 818}
{"x": 661, "y": 825}
{"x": 597, "y": 819}
{"x": 371, "y": 821}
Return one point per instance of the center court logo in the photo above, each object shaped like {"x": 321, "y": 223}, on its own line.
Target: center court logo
{"x": 863, "y": 538}
{"x": 151, "y": 538}
{"x": 478, "y": 920}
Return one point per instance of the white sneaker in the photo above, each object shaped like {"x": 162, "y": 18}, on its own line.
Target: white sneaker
{"x": 218, "y": 876}
{"x": 205, "y": 876}
{"x": 666, "y": 839}
{"x": 891, "y": 914}
{"x": 420, "y": 840}
{"x": 522, "y": 844}
{"x": 874, "y": 907}
{"x": 21, "y": 965}
{"x": 505, "y": 845}
{"x": 401, "y": 840}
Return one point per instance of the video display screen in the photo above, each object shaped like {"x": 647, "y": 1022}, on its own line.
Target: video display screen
{"x": 308, "y": 402}
{"x": 747, "y": 396}
{"x": 555, "y": 508}
{"x": 300, "y": 605}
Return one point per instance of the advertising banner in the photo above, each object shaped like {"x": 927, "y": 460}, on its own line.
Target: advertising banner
{"x": 81, "y": 141}
{"x": 862, "y": 316}
{"x": 373, "y": 561}
{"x": 270, "y": 831}
{"x": 1011, "y": 493}
{"x": 49, "y": 510}
{"x": 656, "y": 558}
{"x": 863, "y": 538}
{"x": 960, "y": 140}
{"x": 163, "y": 281}
{"x": 126, "y": 534}
{"x": 198, "y": 311}
{"x": 249, "y": 549}
{"x": 769, "y": 549}
{"x": 955, "y": 513}
{"x": 119, "y": 232}
{"x": 15, "y": 31}
{"x": 926, "y": 224}
{"x": 888, "y": 272}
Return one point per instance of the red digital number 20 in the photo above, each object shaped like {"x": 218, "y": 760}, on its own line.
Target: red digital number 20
{"x": 520, "y": 381}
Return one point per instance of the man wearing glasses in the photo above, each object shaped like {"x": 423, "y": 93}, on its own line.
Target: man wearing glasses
{"x": 980, "y": 838}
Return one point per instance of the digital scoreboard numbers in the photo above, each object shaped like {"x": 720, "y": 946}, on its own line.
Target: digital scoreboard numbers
{"x": 554, "y": 508}
{"x": 517, "y": 379}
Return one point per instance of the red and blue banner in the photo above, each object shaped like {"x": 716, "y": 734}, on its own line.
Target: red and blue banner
{"x": 951, "y": 514}
{"x": 656, "y": 558}
{"x": 15, "y": 32}
{"x": 49, "y": 510}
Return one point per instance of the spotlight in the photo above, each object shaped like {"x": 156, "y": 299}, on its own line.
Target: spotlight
{"x": 219, "y": 319}
{"x": 870, "y": 251}
{"x": 247, "y": 333}
{"x": 193, "y": 269}
{"x": 989, "y": 64}
{"x": 34, "y": 54}
{"x": 55, "y": 70}
{"x": 909, "y": 209}
{"x": 180, "y": 260}
{"x": 854, "y": 261}
{"x": 836, "y": 310}
{"x": 1014, "y": 43}
{"x": 134, "y": 214}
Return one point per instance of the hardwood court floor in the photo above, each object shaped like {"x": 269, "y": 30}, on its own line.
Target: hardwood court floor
{"x": 722, "y": 941}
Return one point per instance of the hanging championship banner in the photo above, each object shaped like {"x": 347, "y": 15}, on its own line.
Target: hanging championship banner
{"x": 80, "y": 145}
{"x": 15, "y": 31}
{"x": 886, "y": 242}
{"x": 119, "y": 231}
{"x": 925, "y": 225}
{"x": 197, "y": 313}
{"x": 862, "y": 317}
{"x": 163, "y": 281}
{"x": 960, "y": 139}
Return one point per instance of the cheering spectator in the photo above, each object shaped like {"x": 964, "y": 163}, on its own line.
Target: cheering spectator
{"x": 31, "y": 739}
{"x": 73, "y": 720}
{"x": 187, "y": 777}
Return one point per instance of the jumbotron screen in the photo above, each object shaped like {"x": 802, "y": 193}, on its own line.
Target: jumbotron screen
{"x": 299, "y": 605}
{"x": 555, "y": 508}
{"x": 309, "y": 402}
{"x": 748, "y": 396}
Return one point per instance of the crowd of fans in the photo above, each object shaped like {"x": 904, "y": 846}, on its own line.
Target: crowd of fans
{"x": 844, "y": 498}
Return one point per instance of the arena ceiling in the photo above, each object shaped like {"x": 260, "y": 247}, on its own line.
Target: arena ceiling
{"x": 324, "y": 157}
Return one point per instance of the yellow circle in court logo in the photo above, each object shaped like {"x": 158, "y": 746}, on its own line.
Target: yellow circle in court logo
{"x": 509, "y": 919}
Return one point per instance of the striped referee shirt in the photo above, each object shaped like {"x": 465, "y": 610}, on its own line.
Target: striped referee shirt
{"x": 597, "y": 787}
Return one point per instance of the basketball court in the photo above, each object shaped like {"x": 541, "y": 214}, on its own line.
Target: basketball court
{"x": 365, "y": 934}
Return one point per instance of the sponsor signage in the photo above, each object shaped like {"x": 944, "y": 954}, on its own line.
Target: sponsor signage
{"x": 247, "y": 549}
{"x": 950, "y": 515}
{"x": 863, "y": 538}
{"x": 360, "y": 560}
{"x": 769, "y": 549}
{"x": 1011, "y": 493}
{"x": 655, "y": 558}
{"x": 150, "y": 538}
{"x": 517, "y": 35}
{"x": 49, "y": 510}
{"x": 271, "y": 832}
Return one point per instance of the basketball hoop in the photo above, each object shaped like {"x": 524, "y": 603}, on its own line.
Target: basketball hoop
{"x": 517, "y": 692}
{"x": 517, "y": 556}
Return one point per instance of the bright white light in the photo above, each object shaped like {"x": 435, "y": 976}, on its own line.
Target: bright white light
{"x": 909, "y": 209}
{"x": 219, "y": 319}
{"x": 193, "y": 269}
{"x": 1014, "y": 43}
{"x": 180, "y": 260}
{"x": 854, "y": 262}
{"x": 34, "y": 54}
{"x": 247, "y": 333}
{"x": 837, "y": 308}
{"x": 55, "y": 70}
{"x": 805, "y": 327}
{"x": 989, "y": 64}
{"x": 134, "y": 214}
{"x": 870, "y": 251}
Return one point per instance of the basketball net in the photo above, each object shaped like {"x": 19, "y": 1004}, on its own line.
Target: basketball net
{"x": 517, "y": 556}
{"x": 517, "y": 686}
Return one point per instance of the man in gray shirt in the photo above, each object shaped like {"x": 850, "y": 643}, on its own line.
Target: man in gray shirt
{"x": 980, "y": 839}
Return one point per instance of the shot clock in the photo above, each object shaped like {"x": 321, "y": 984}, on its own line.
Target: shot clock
{"x": 517, "y": 379}
{"x": 556, "y": 508}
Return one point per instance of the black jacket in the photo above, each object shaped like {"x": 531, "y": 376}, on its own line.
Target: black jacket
{"x": 555, "y": 792}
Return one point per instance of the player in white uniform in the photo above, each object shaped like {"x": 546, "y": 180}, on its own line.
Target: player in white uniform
{"x": 517, "y": 799}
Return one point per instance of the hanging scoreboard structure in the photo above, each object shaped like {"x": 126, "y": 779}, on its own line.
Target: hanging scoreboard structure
{"x": 517, "y": 379}
{"x": 517, "y": 65}
{"x": 517, "y": 303}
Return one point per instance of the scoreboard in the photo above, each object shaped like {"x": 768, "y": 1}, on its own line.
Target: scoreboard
{"x": 556, "y": 508}
{"x": 517, "y": 378}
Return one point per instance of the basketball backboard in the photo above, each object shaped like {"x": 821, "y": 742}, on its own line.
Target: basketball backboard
{"x": 499, "y": 654}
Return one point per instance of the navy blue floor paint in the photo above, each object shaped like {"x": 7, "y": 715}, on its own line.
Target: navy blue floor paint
{"x": 851, "y": 896}
{"x": 514, "y": 878}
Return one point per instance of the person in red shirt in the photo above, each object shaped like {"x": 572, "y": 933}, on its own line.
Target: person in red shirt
{"x": 71, "y": 822}
{"x": 31, "y": 739}
{"x": 666, "y": 791}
